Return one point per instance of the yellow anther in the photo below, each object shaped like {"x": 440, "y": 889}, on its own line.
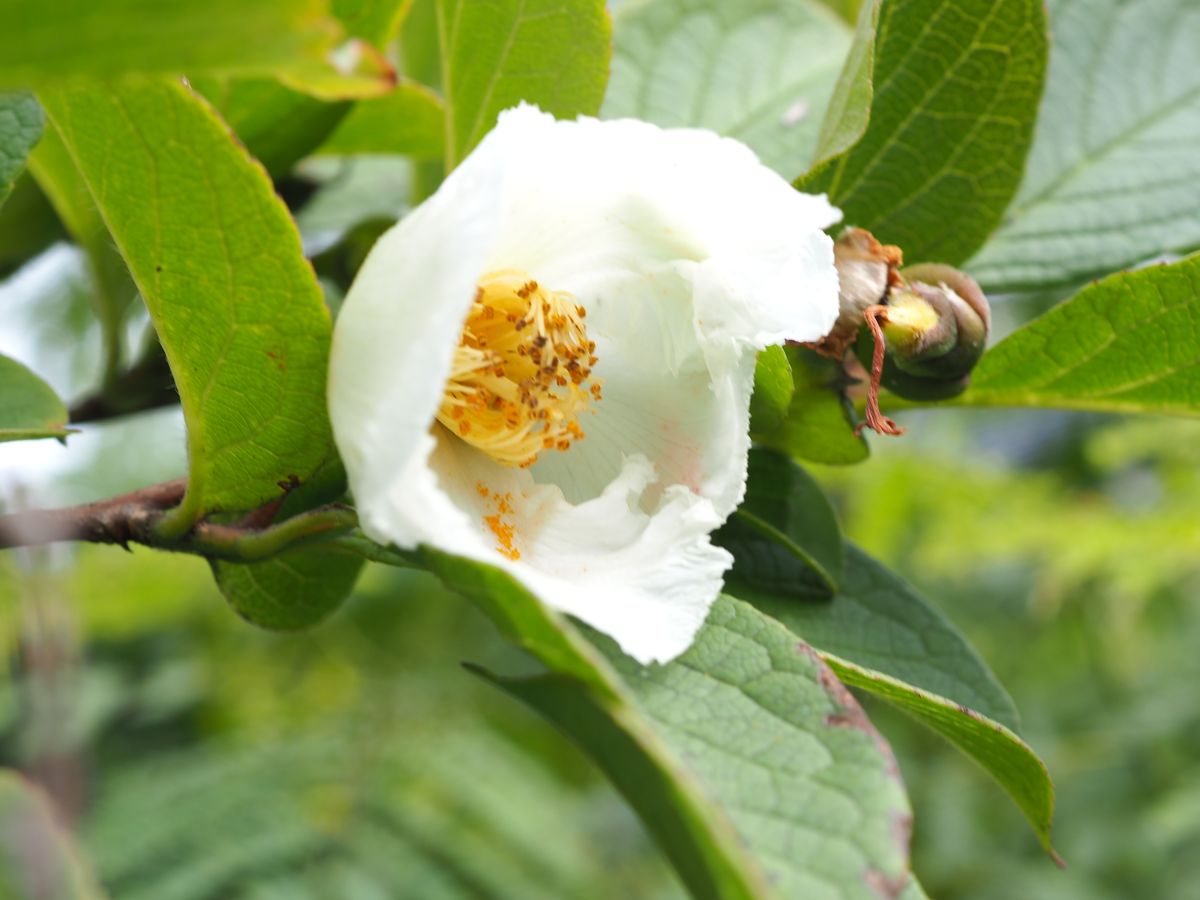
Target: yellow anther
{"x": 520, "y": 372}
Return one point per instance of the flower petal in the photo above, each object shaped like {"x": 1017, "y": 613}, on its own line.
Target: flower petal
{"x": 646, "y": 579}
{"x": 637, "y": 203}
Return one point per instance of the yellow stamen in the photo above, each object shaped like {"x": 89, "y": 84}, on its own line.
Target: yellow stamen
{"x": 520, "y": 373}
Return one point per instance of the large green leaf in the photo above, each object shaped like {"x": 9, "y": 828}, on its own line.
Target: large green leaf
{"x": 1130, "y": 343}
{"x": 46, "y": 42}
{"x": 761, "y": 71}
{"x": 112, "y": 289}
{"x": 879, "y": 635}
{"x": 996, "y": 748}
{"x": 956, "y": 94}
{"x": 791, "y": 717}
{"x": 21, "y": 122}
{"x": 747, "y": 706}
{"x": 29, "y": 408}
{"x": 818, "y": 426}
{"x": 290, "y": 591}
{"x": 550, "y": 52}
{"x": 876, "y": 620}
{"x": 1113, "y": 177}
{"x": 37, "y": 859}
{"x": 218, "y": 260}
{"x": 765, "y": 729}
{"x": 408, "y": 121}
{"x": 786, "y": 507}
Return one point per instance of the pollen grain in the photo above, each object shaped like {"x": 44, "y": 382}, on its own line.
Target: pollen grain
{"x": 498, "y": 523}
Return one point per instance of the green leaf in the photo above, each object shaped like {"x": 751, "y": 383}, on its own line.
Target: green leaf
{"x": 878, "y": 634}
{"x": 1130, "y": 343}
{"x": 744, "y": 707}
{"x": 913, "y": 890}
{"x": 21, "y": 122}
{"x": 44, "y": 42}
{"x": 956, "y": 94}
{"x": 278, "y": 125}
{"x": 819, "y": 426}
{"x": 29, "y": 408}
{"x": 28, "y": 224}
{"x": 419, "y": 44}
{"x": 766, "y": 730}
{"x": 785, "y": 507}
{"x": 671, "y": 748}
{"x": 773, "y": 389}
{"x": 553, "y": 53}
{"x": 522, "y": 619}
{"x": 218, "y": 260}
{"x": 291, "y": 591}
{"x": 375, "y": 21}
{"x": 850, "y": 106}
{"x": 998, "y": 750}
{"x": 112, "y": 289}
{"x": 692, "y": 832}
{"x": 876, "y": 621}
{"x": 1113, "y": 177}
{"x": 408, "y": 121}
{"x": 37, "y": 859}
{"x": 761, "y": 71}
{"x": 847, "y": 9}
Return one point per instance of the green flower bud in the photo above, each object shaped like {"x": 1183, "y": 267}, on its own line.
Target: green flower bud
{"x": 936, "y": 325}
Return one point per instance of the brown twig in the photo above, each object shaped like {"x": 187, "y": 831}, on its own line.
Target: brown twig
{"x": 117, "y": 520}
{"x": 876, "y": 420}
{"x": 133, "y": 517}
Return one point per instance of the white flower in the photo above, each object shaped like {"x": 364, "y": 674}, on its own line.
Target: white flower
{"x": 547, "y": 366}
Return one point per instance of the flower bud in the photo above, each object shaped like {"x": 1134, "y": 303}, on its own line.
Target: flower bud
{"x": 936, "y": 326}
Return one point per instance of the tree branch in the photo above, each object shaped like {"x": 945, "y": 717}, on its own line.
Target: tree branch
{"x": 132, "y": 519}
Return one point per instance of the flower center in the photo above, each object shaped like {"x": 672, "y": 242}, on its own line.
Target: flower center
{"x": 518, "y": 383}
